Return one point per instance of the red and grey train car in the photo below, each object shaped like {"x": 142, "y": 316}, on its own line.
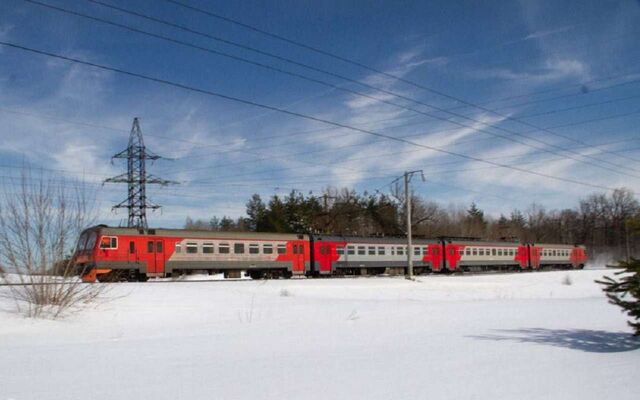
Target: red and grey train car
{"x": 107, "y": 253}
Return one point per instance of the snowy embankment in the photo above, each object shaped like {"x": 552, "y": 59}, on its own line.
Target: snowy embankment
{"x": 517, "y": 336}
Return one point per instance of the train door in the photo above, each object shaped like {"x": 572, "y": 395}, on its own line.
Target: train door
{"x": 155, "y": 256}
{"x": 298, "y": 261}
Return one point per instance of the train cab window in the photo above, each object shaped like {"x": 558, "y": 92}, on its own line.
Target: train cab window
{"x": 132, "y": 247}
{"x": 371, "y": 251}
{"x": 267, "y": 248}
{"x": 238, "y": 248}
{"x": 207, "y": 248}
{"x": 150, "y": 246}
{"x": 254, "y": 248}
{"x": 282, "y": 249}
{"x": 178, "y": 248}
{"x": 192, "y": 247}
{"x": 223, "y": 248}
{"x": 109, "y": 242}
{"x": 361, "y": 250}
{"x": 381, "y": 251}
{"x": 340, "y": 250}
{"x": 159, "y": 246}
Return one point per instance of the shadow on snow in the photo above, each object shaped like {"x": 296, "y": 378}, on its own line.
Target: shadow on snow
{"x": 577, "y": 339}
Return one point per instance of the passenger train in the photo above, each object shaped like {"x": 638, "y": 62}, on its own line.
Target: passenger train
{"x": 106, "y": 253}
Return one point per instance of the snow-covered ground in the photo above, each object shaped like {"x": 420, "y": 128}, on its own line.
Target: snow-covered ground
{"x": 517, "y": 336}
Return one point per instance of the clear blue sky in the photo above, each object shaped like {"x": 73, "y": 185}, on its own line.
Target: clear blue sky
{"x": 585, "y": 54}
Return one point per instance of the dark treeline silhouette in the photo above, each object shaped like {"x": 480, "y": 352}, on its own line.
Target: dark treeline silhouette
{"x": 605, "y": 223}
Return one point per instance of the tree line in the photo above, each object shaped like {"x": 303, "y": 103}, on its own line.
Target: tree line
{"x": 605, "y": 223}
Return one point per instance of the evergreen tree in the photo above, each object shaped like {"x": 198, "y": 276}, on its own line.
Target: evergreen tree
{"x": 256, "y": 211}
{"x": 625, "y": 291}
{"x": 476, "y": 225}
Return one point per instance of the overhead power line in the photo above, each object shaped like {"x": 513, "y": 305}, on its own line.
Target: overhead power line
{"x": 617, "y": 167}
{"x": 363, "y": 66}
{"x": 288, "y": 112}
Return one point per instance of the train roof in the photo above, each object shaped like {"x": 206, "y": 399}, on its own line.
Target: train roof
{"x": 194, "y": 233}
{"x": 371, "y": 239}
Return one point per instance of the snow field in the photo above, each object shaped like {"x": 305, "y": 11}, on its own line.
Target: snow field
{"x": 512, "y": 336}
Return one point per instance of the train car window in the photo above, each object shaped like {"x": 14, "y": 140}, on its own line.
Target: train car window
{"x": 361, "y": 250}
{"x": 159, "y": 246}
{"x": 238, "y": 248}
{"x": 108, "y": 242}
{"x": 192, "y": 247}
{"x": 372, "y": 250}
{"x": 207, "y": 248}
{"x": 351, "y": 250}
{"x": 267, "y": 248}
{"x": 254, "y": 248}
{"x": 475, "y": 251}
{"x": 499, "y": 253}
{"x": 481, "y": 252}
{"x": 178, "y": 248}
{"x": 400, "y": 251}
{"x": 416, "y": 251}
{"x": 132, "y": 247}
{"x": 150, "y": 246}
{"x": 340, "y": 250}
{"x": 223, "y": 248}
{"x": 282, "y": 249}
{"x": 494, "y": 252}
{"x": 91, "y": 241}
{"x": 393, "y": 251}
{"x": 82, "y": 242}
{"x": 381, "y": 251}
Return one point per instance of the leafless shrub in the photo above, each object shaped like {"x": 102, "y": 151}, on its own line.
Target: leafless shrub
{"x": 39, "y": 224}
{"x": 567, "y": 280}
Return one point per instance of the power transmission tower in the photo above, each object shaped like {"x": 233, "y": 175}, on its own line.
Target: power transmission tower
{"x": 136, "y": 178}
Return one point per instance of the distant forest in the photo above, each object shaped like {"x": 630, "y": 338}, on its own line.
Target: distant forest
{"x": 606, "y": 224}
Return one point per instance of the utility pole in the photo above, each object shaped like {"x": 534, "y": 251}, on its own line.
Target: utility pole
{"x": 136, "y": 178}
{"x": 407, "y": 202}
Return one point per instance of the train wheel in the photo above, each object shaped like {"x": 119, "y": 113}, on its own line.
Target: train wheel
{"x": 256, "y": 274}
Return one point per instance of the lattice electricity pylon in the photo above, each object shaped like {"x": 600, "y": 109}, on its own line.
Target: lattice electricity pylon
{"x": 137, "y": 179}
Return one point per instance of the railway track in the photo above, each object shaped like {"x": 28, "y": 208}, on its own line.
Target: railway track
{"x": 171, "y": 281}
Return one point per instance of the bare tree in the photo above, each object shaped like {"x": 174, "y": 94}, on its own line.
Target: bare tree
{"x": 39, "y": 225}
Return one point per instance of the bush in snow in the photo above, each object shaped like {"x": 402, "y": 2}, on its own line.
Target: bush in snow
{"x": 39, "y": 226}
{"x": 567, "y": 280}
{"x": 625, "y": 291}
